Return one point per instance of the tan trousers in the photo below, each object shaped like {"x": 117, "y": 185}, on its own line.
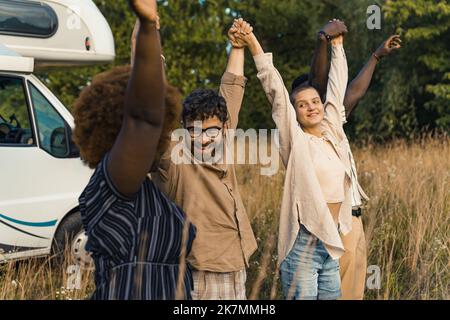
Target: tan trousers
{"x": 353, "y": 264}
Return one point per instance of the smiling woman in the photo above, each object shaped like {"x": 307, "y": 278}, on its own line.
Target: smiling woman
{"x": 317, "y": 183}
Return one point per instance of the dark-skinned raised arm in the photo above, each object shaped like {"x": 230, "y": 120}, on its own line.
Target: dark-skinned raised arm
{"x": 135, "y": 147}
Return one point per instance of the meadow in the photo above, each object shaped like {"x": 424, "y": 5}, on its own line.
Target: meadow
{"x": 407, "y": 224}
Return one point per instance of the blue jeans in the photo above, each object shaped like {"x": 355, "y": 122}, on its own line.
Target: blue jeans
{"x": 308, "y": 272}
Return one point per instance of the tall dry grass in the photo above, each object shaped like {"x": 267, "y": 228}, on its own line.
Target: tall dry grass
{"x": 49, "y": 278}
{"x": 407, "y": 220}
{"x": 407, "y": 224}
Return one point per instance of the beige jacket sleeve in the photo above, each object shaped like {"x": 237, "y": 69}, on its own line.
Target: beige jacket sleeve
{"x": 232, "y": 89}
{"x": 337, "y": 86}
{"x": 283, "y": 112}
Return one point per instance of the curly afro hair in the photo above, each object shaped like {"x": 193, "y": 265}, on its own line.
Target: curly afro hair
{"x": 203, "y": 104}
{"x": 98, "y": 114}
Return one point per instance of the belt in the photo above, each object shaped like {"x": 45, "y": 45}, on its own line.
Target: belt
{"x": 357, "y": 212}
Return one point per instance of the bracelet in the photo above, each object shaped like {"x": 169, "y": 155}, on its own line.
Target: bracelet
{"x": 328, "y": 37}
{"x": 376, "y": 56}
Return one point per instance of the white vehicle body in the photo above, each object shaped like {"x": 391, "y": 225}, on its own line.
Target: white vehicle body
{"x": 74, "y": 32}
{"x": 41, "y": 174}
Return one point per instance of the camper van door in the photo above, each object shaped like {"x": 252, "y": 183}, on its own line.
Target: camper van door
{"x": 40, "y": 179}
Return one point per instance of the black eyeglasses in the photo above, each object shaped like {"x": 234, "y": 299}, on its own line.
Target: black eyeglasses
{"x": 211, "y": 132}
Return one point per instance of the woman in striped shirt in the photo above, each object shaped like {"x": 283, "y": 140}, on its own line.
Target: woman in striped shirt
{"x": 137, "y": 236}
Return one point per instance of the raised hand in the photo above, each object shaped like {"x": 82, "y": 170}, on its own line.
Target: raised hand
{"x": 334, "y": 28}
{"x": 146, "y": 10}
{"x": 393, "y": 43}
{"x": 245, "y": 35}
{"x": 239, "y": 27}
{"x": 242, "y": 31}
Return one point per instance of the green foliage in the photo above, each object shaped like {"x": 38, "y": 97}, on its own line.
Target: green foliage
{"x": 410, "y": 90}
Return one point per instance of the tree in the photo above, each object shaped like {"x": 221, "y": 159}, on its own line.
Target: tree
{"x": 410, "y": 91}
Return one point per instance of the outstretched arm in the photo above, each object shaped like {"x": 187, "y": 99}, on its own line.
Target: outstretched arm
{"x": 135, "y": 147}
{"x": 232, "y": 85}
{"x": 358, "y": 87}
{"x": 282, "y": 110}
{"x": 318, "y": 76}
{"x": 337, "y": 83}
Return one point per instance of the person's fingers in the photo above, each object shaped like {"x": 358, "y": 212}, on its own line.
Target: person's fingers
{"x": 248, "y": 28}
{"x": 245, "y": 28}
{"x": 239, "y": 36}
{"x": 392, "y": 38}
{"x": 394, "y": 42}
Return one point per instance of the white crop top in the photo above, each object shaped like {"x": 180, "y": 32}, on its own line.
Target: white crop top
{"x": 329, "y": 169}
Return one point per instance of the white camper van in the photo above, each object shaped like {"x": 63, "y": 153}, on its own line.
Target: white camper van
{"x": 41, "y": 174}
{"x": 56, "y": 32}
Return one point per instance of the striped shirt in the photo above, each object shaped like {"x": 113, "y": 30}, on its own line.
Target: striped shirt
{"x": 136, "y": 243}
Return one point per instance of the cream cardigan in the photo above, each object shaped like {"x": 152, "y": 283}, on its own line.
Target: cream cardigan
{"x": 303, "y": 201}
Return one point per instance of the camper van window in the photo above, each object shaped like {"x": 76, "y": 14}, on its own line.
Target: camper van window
{"x": 50, "y": 125}
{"x": 15, "y": 125}
{"x": 26, "y": 18}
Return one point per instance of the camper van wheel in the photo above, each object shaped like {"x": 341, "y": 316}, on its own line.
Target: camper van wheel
{"x": 71, "y": 239}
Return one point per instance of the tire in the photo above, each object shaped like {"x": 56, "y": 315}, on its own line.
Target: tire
{"x": 70, "y": 237}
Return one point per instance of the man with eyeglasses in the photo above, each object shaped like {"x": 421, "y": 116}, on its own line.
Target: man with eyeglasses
{"x": 206, "y": 187}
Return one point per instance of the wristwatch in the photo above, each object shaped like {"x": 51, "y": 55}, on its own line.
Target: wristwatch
{"x": 323, "y": 33}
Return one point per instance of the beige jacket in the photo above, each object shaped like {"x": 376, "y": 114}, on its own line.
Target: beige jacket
{"x": 303, "y": 201}
{"x": 209, "y": 194}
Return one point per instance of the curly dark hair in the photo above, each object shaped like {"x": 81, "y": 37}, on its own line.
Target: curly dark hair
{"x": 203, "y": 104}
{"x": 98, "y": 114}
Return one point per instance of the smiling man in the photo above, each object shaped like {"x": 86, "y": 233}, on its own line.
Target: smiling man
{"x": 206, "y": 187}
